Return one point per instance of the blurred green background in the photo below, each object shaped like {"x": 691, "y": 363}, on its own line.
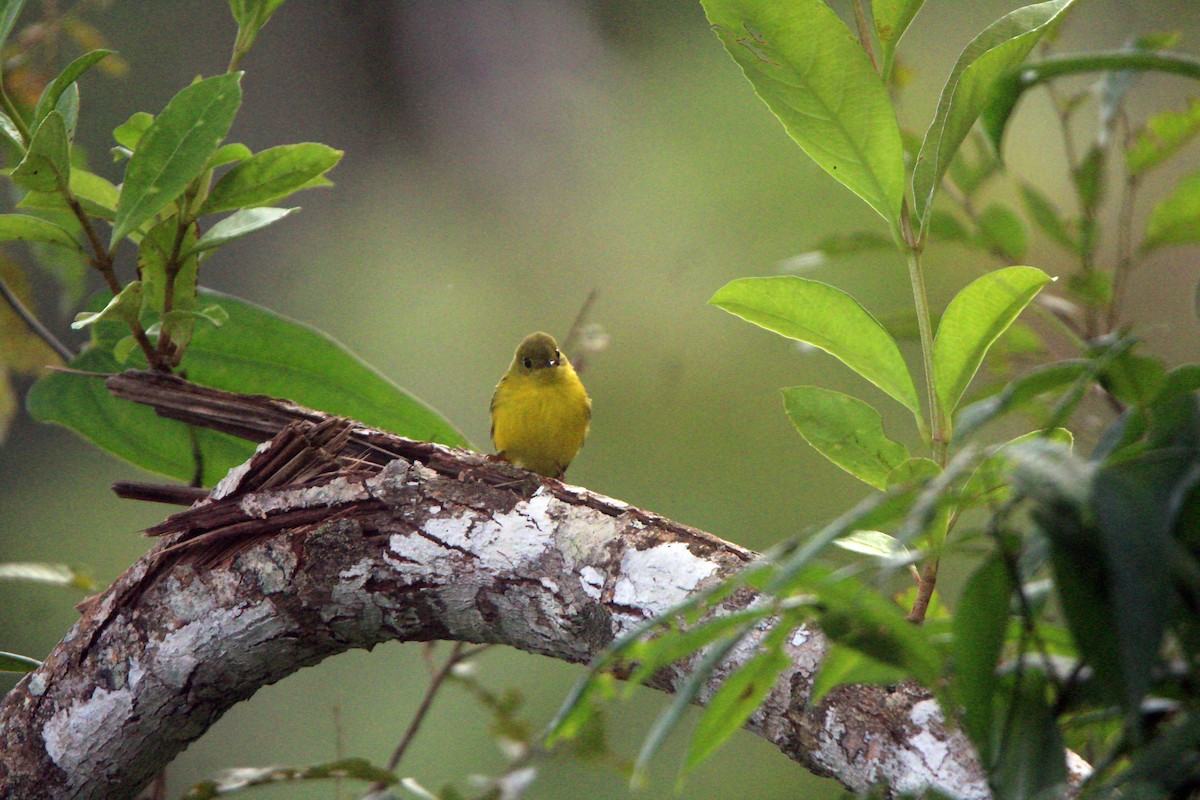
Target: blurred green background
{"x": 502, "y": 161}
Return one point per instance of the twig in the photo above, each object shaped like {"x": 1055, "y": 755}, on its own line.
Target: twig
{"x": 34, "y": 324}
{"x": 458, "y": 654}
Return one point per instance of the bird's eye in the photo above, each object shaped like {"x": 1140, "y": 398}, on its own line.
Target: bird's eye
{"x": 557, "y": 356}
{"x": 528, "y": 362}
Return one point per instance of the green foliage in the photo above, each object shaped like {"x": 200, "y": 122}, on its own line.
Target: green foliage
{"x": 845, "y": 430}
{"x": 974, "y": 320}
{"x": 999, "y": 48}
{"x": 51, "y": 574}
{"x": 174, "y": 150}
{"x": 270, "y": 176}
{"x": 892, "y": 18}
{"x": 825, "y": 317}
{"x": 808, "y": 68}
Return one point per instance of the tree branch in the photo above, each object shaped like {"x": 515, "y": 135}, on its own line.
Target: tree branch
{"x": 337, "y": 536}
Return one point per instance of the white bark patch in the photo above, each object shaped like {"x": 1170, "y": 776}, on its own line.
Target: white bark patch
{"x": 591, "y": 580}
{"x": 72, "y": 731}
{"x": 502, "y": 542}
{"x": 927, "y": 761}
{"x": 660, "y": 577}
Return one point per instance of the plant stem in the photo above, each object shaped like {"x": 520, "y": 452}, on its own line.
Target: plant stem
{"x": 34, "y": 324}
{"x": 103, "y": 263}
{"x": 864, "y": 32}
{"x": 938, "y": 438}
{"x": 925, "y": 586}
{"x": 937, "y": 433}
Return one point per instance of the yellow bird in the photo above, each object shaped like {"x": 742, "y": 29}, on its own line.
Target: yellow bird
{"x": 540, "y": 410}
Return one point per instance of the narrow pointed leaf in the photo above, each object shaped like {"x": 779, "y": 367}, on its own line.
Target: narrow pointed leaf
{"x": 980, "y": 623}
{"x": 812, "y": 73}
{"x": 175, "y": 149}
{"x": 52, "y": 574}
{"x": 739, "y": 696}
{"x": 271, "y": 175}
{"x": 843, "y": 665}
{"x": 96, "y": 195}
{"x": 973, "y": 320}
{"x": 846, "y": 430}
{"x": 827, "y": 318}
{"x": 11, "y": 662}
{"x": 238, "y": 225}
{"x": 68, "y": 76}
{"x": 999, "y": 48}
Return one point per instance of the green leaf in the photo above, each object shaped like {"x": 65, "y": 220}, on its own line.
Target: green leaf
{"x": 1019, "y": 393}
{"x": 255, "y": 352}
{"x": 9, "y": 11}
{"x": 270, "y": 176}
{"x": 124, "y": 307}
{"x": 1002, "y": 232}
{"x": 65, "y": 79}
{"x": 251, "y": 16}
{"x": 989, "y": 482}
{"x": 24, "y": 228}
{"x": 175, "y": 149}
{"x": 129, "y": 133}
{"x": 237, "y": 225}
{"x": 47, "y": 165}
{"x": 842, "y": 665}
{"x": 853, "y": 615}
{"x": 1163, "y": 135}
{"x": 845, "y": 430}
{"x": 892, "y": 18}
{"x": 827, "y": 318}
{"x": 154, "y": 257}
{"x": 1032, "y": 759}
{"x": 876, "y": 544}
{"x": 1009, "y": 88}
{"x": 229, "y": 153}
{"x": 980, "y": 623}
{"x": 1000, "y": 47}
{"x": 1176, "y": 218}
{"x": 11, "y": 662}
{"x": 684, "y": 695}
{"x": 1091, "y": 288}
{"x": 975, "y": 317}
{"x": 53, "y": 574}
{"x": 918, "y": 470}
{"x": 740, "y": 694}
{"x": 1046, "y": 216}
{"x": 814, "y": 76}
{"x": 96, "y": 195}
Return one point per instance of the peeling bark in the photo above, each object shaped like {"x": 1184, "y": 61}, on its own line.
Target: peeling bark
{"x": 375, "y": 538}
